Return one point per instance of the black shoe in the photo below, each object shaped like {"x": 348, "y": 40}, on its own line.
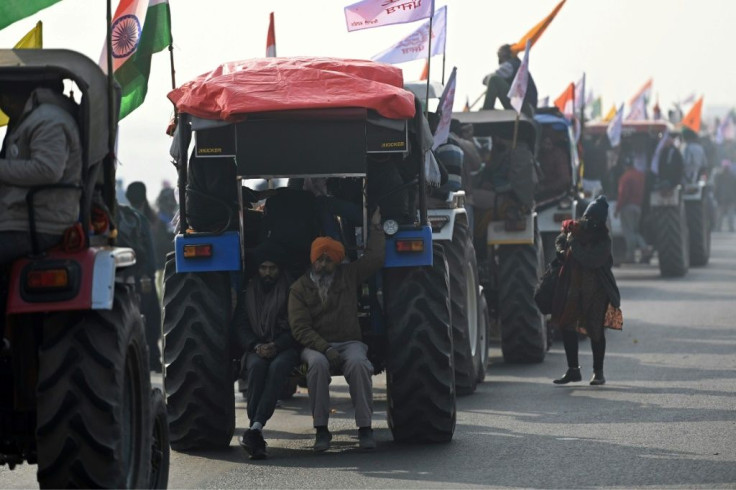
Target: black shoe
{"x": 322, "y": 440}
{"x": 254, "y": 444}
{"x": 572, "y": 374}
{"x": 598, "y": 378}
{"x": 365, "y": 438}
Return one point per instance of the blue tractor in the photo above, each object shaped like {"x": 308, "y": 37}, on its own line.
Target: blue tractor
{"x": 366, "y": 158}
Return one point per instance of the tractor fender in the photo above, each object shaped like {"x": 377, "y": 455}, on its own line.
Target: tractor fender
{"x": 91, "y": 275}
{"x": 443, "y": 222}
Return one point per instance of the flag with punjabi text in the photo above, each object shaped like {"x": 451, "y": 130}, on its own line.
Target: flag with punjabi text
{"x": 517, "y": 92}
{"x": 447, "y": 100}
{"x": 416, "y": 45}
{"x": 377, "y": 13}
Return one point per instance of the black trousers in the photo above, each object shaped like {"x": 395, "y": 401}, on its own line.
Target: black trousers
{"x": 570, "y": 341}
{"x": 266, "y": 378}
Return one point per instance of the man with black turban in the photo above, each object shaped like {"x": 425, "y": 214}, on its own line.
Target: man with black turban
{"x": 270, "y": 350}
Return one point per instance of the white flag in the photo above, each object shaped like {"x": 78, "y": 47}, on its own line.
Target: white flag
{"x": 658, "y": 152}
{"x": 638, "y": 110}
{"x": 415, "y": 45}
{"x": 614, "y": 127}
{"x": 377, "y": 13}
{"x": 517, "y": 92}
{"x": 445, "y": 110}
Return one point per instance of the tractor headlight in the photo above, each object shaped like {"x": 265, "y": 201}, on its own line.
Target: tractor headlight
{"x": 390, "y": 227}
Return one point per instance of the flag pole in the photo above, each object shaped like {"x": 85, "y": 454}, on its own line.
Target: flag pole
{"x": 478, "y": 99}
{"x": 429, "y": 58}
{"x": 516, "y": 131}
{"x": 443, "y": 69}
{"x": 108, "y": 170}
{"x": 171, "y": 61}
{"x": 171, "y": 50}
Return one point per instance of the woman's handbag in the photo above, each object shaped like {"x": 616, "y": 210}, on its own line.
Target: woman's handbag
{"x": 614, "y": 318}
{"x": 544, "y": 294}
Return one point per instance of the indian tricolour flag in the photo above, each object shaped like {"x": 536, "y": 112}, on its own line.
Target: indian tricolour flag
{"x": 139, "y": 29}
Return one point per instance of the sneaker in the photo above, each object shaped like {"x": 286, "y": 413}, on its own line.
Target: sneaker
{"x": 572, "y": 374}
{"x": 322, "y": 440}
{"x": 598, "y": 378}
{"x": 365, "y": 438}
{"x": 254, "y": 444}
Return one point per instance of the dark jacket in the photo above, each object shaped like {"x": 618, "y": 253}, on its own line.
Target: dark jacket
{"x": 595, "y": 256}
{"x": 671, "y": 167}
{"x": 586, "y": 285}
{"x": 245, "y": 317}
{"x": 315, "y": 324}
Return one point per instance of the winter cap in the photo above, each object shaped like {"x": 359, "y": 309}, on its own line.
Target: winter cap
{"x": 598, "y": 209}
{"x": 326, "y": 245}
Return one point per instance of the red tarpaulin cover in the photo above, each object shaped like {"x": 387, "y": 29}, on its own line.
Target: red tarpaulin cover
{"x": 277, "y": 84}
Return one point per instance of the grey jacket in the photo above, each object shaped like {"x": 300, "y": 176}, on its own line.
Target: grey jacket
{"x": 43, "y": 147}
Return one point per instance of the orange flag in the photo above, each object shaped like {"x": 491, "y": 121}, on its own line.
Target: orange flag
{"x": 566, "y": 101}
{"x": 536, "y": 32}
{"x": 692, "y": 118}
{"x": 425, "y": 71}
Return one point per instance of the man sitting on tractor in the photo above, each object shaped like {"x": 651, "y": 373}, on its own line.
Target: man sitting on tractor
{"x": 499, "y": 83}
{"x": 42, "y": 147}
{"x": 323, "y": 318}
{"x": 270, "y": 350}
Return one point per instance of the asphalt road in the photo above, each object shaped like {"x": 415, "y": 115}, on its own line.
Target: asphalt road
{"x": 665, "y": 418}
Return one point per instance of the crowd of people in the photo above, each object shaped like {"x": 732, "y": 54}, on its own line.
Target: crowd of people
{"x": 151, "y": 234}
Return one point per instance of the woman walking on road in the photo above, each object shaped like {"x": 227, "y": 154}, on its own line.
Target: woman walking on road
{"x": 586, "y": 298}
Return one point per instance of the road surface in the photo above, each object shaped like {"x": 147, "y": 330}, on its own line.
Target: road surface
{"x": 665, "y": 418}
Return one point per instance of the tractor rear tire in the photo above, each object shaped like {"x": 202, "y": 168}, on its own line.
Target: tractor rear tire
{"x": 420, "y": 374}
{"x": 198, "y": 371}
{"x": 93, "y": 394}
{"x": 698, "y": 226}
{"x": 464, "y": 305}
{"x": 672, "y": 241}
{"x": 160, "y": 450}
{"x": 523, "y": 328}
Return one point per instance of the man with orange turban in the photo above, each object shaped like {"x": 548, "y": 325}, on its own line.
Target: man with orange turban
{"x": 323, "y": 306}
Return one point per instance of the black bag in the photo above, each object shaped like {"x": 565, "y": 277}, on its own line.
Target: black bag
{"x": 544, "y": 293}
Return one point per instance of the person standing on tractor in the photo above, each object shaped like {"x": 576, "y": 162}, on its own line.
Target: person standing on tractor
{"x": 323, "y": 318}
{"x": 499, "y": 83}
{"x": 41, "y": 148}
{"x": 270, "y": 350}
{"x": 670, "y": 167}
{"x": 695, "y": 159}
{"x": 586, "y": 288}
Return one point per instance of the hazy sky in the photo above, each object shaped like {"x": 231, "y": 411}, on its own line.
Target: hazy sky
{"x": 684, "y": 45}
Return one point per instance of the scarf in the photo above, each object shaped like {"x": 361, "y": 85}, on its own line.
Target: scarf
{"x": 265, "y": 309}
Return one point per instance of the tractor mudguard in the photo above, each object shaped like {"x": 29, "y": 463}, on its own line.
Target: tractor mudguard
{"x": 62, "y": 281}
